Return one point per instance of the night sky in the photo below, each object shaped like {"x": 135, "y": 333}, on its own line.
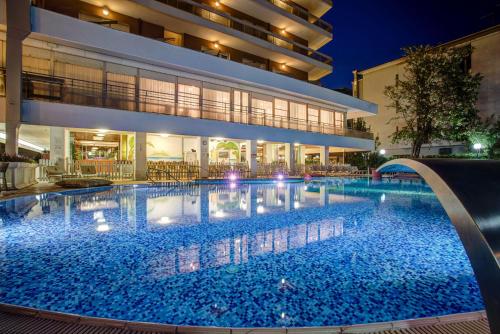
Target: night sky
{"x": 371, "y": 32}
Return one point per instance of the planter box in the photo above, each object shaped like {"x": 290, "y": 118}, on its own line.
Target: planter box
{"x": 21, "y": 175}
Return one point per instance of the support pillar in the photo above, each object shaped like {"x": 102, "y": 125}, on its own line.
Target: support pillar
{"x": 324, "y": 155}
{"x": 141, "y": 160}
{"x": 19, "y": 27}
{"x": 203, "y": 157}
{"x": 58, "y": 146}
{"x": 290, "y": 157}
{"x": 302, "y": 155}
{"x": 251, "y": 157}
{"x": 269, "y": 153}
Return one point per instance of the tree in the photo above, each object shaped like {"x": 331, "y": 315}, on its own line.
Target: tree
{"x": 487, "y": 133}
{"x": 436, "y": 99}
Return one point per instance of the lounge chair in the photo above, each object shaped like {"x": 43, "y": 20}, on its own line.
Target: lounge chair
{"x": 54, "y": 173}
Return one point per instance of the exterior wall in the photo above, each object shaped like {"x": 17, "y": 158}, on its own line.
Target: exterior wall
{"x": 371, "y": 88}
{"x": 154, "y": 31}
{"x": 130, "y": 49}
{"x": 485, "y": 60}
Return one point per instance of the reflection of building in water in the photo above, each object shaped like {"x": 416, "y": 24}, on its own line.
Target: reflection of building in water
{"x": 240, "y": 249}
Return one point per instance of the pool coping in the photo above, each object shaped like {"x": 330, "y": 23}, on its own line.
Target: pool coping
{"x": 169, "y": 328}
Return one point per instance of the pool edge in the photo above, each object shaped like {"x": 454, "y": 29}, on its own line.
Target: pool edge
{"x": 148, "y": 326}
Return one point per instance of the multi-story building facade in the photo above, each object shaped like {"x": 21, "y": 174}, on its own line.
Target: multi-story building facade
{"x": 369, "y": 85}
{"x": 181, "y": 80}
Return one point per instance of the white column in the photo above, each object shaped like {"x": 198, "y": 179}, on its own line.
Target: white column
{"x": 203, "y": 157}
{"x": 302, "y": 153}
{"x": 290, "y": 156}
{"x": 269, "y": 153}
{"x": 324, "y": 155}
{"x": 58, "y": 146}
{"x": 18, "y": 21}
{"x": 141, "y": 160}
{"x": 251, "y": 157}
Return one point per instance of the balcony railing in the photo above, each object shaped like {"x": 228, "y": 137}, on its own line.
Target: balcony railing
{"x": 128, "y": 97}
{"x": 228, "y": 20}
{"x": 303, "y": 14}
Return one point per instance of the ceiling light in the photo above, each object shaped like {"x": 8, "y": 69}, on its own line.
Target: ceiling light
{"x": 261, "y": 141}
{"x": 105, "y": 11}
{"x": 165, "y": 135}
{"x": 217, "y": 3}
{"x": 283, "y": 66}
{"x": 216, "y": 45}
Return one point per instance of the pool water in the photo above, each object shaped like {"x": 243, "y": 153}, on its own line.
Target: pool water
{"x": 331, "y": 252}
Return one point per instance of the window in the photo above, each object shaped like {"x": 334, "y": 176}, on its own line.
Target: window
{"x": 262, "y": 112}
{"x": 216, "y": 104}
{"x": 280, "y": 113}
{"x": 313, "y": 118}
{"x": 298, "y": 116}
{"x": 157, "y": 96}
{"x": 240, "y": 106}
{"x": 445, "y": 151}
{"x": 339, "y": 120}
{"x": 327, "y": 121}
{"x": 189, "y": 100}
{"x": 173, "y": 38}
{"x": 120, "y": 89}
{"x": 86, "y": 89}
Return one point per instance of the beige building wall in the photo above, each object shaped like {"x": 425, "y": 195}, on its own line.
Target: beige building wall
{"x": 486, "y": 60}
{"x": 372, "y": 82}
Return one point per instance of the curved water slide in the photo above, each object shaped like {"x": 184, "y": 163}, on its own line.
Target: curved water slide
{"x": 469, "y": 191}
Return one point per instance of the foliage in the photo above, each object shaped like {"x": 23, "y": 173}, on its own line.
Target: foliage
{"x": 364, "y": 160}
{"x": 14, "y": 158}
{"x": 436, "y": 100}
{"x": 357, "y": 124}
{"x": 487, "y": 133}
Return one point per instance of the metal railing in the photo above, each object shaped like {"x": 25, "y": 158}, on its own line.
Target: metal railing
{"x": 247, "y": 27}
{"x": 178, "y": 171}
{"x": 124, "y": 96}
{"x": 302, "y": 13}
{"x": 108, "y": 169}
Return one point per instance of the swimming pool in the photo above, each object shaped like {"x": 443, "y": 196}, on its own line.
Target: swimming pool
{"x": 331, "y": 252}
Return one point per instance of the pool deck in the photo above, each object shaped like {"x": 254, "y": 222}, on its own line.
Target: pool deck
{"x": 19, "y": 320}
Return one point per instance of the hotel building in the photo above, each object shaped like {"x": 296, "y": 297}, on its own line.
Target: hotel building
{"x": 369, "y": 84}
{"x": 201, "y": 81}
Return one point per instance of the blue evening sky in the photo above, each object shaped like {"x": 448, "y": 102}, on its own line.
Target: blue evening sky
{"x": 371, "y": 32}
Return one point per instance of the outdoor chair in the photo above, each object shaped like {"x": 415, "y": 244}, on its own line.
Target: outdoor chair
{"x": 88, "y": 171}
{"x": 54, "y": 173}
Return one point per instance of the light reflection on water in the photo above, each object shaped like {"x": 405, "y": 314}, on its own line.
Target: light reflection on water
{"x": 278, "y": 254}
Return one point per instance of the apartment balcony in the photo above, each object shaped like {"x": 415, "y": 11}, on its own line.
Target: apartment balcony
{"x": 117, "y": 95}
{"x": 288, "y": 16}
{"x": 220, "y": 17}
{"x": 290, "y": 7}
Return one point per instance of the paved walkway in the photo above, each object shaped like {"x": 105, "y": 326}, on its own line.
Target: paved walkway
{"x": 15, "y": 320}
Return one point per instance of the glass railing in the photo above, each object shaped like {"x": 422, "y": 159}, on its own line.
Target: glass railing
{"x": 303, "y": 14}
{"x": 228, "y": 20}
{"x": 126, "y": 97}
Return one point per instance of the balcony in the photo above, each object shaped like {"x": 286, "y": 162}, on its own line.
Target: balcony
{"x": 303, "y": 14}
{"x": 227, "y": 20}
{"x": 118, "y": 95}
